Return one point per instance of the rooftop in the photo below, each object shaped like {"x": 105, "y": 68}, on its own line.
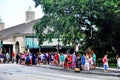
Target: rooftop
{"x": 21, "y": 29}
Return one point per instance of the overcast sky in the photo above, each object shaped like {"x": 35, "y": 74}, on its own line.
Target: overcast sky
{"x": 13, "y": 11}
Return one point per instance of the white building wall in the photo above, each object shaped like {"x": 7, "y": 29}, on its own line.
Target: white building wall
{"x": 21, "y": 40}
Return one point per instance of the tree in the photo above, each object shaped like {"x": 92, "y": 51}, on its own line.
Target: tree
{"x": 107, "y": 20}
{"x": 64, "y": 20}
{"x": 68, "y": 17}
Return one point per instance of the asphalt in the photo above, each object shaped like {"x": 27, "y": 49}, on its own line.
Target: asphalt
{"x": 98, "y": 70}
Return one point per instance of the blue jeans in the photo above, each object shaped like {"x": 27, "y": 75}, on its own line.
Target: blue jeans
{"x": 105, "y": 67}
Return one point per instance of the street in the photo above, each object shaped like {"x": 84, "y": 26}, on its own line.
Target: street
{"x": 22, "y": 72}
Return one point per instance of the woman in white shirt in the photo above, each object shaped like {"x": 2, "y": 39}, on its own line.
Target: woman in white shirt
{"x": 118, "y": 62}
{"x": 87, "y": 66}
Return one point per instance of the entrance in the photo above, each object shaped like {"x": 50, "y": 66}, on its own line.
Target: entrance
{"x": 7, "y": 48}
{"x": 17, "y": 47}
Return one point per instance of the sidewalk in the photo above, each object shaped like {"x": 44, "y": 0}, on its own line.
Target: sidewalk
{"x": 98, "y": 70}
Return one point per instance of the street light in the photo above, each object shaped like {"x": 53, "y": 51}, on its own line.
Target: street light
{"x": 58, "y": 47}
{"x": 33, "y": 53}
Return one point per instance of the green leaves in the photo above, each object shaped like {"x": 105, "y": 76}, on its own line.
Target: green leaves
{"x": 66, "y": 18}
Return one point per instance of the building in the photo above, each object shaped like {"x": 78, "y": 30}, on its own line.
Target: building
{"x": 30, "y": 15}
{"x": 2, "y": 24}
{"x": 21, "y": 37}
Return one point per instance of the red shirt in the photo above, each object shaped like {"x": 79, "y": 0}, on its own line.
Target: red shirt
{"x": 104, "y": 60}
{"x": 57, "y": 56}
{"x": 13, "y": 54}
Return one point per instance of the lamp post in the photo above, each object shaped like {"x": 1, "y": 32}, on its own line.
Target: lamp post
{"x": 40, "y": 42}
{"x": 58, "y": 47}
{"x": 33, "y": 53}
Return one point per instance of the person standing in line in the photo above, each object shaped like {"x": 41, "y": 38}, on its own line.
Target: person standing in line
{"x": 13, "y": 57}
{"x": 66, "y": 60}
{"x": 1, "y": 57}
{"x": 57, "y": 59}
{"x": 83, "y": 61}
{"x": 94, "y": 59}
{"x": 87, "y": 66}
{"x": 39, "y": 58}
{"x": 48, "y": 57}
{"x": 51, "y": 58}
{"x": 74, "y": 57}
{"x": 78, "y": 62}
{"x": 118, "y": 61}
{"x": 91, "y": 61}
{"x": 7, "y": 57}
{"x": 4, "y": 58}
{"x": 17, "y": 58}
{"x": 27, "y": 62}
{"x": 42, "y": 58}
{"x": 105, "y": 63}
{"x": 31, "y": 58}
{"x": 45, "y": 58}
{"x": 23, "y": 58}
{"x": 69, "y": 62}
{"x": 62, "y": 59}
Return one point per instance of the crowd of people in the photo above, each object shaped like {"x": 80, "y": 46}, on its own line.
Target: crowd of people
{"x": 6, "y": 58}
{"x": 84, "y": 60}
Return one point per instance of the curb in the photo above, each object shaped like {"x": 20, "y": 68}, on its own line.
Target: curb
{"x": 100, "y": 73}
{"x": 84, "y": 72}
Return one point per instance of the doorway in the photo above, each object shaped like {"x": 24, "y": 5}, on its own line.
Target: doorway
{"x": 17, "y": 49}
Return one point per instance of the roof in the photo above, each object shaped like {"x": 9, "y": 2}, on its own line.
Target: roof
{"x": 21, "y": 29}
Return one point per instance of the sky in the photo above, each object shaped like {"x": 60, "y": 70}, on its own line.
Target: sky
{"x": 12, "y": 12}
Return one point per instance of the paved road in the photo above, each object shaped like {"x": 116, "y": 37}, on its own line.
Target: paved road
{"x": 21, "y": 72}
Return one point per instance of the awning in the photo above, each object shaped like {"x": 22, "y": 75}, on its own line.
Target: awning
{"x": 32, "y": 43}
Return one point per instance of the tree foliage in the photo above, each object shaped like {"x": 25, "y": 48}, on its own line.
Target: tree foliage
{"x": 68, "y": 17}
{"x": 107, "y": 21}
{"x": 63, "y": 18}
